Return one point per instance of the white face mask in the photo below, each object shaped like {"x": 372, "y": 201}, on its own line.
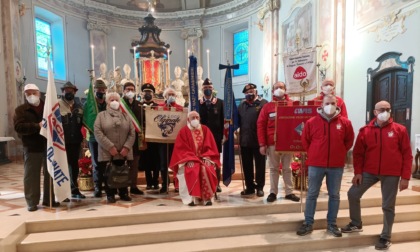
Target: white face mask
{"x": 384, "y": 116}
{"x": 279, "y": 92}
{"x": 327, "y": 89}
{"x": 171, "y": 99}
{"x": 195, "y": 123}
{"x": 33, "y": 100}
{"x": 129, "y": 95}
{"x": 114, "y": 105}
{"x": 330, "y": 109}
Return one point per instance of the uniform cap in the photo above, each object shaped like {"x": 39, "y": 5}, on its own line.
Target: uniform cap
{"x": 248, "y": 87}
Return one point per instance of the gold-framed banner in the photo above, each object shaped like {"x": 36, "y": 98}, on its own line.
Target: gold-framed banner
{"x": 162, "y": 126}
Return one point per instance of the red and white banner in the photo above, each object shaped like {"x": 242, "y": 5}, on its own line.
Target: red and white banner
{"x": 298, "y": 69}
{"x": 162, "y": 126}
{"x": 290, "y": 122}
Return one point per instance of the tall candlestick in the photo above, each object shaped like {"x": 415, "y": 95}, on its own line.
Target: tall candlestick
{"x": 188, "y": 58}
{"x": 135, "y": 65}
{"x": 169, "y": 64}
{"x": 92, "y": 56}
{"x": 208, "y": 63}
{"x": 113, "y": 58}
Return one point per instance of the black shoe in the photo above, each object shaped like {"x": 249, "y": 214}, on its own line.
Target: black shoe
{"x": 78, "y": 195}
{"x": 163, "y": 190}
{"x": 125, "y": 197}
{"x": 32, "y": 208}
{"x": 305, "y": 229}
{"x": 292, "y": 197}
{"x": 383, "y": 244}
{"x": 97, "y": 194}
{"x": 110, "y": 199}
{"x": 53, "y": 204}
{"x": 247, "y": 192}
{"x": 350, "y": 228}
{"x": 148, "y": 187}
{"x": 66, "y": 200}
{"x": 260, "y": 193}
{"x": 271, "y": 197}
{"x": 334, "y": 230}
{"x": 177, "y": 190}
{"x": 218, "y": 189}
{"x": 135, "y": 190}
{"x": 191, "y": 203}
{"x": 208, "y": 203}
{"x": 156, "y": 187}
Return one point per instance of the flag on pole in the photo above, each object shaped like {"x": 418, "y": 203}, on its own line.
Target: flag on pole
{"x": 52, "y": 130}
{"x": 192, "y": 79}
{"x": 231, "y": 124}
{"x": 90, "y": 109}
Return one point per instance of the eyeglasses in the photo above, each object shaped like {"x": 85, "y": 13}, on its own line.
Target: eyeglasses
{"x": 381, "y": 110}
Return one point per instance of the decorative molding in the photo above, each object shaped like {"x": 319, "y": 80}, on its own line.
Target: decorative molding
{"x": 191, "y": 32}
{"x": 390, "y": 26}
{"x": 94, "y": 25}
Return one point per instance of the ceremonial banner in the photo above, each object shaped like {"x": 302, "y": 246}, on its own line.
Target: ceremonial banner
{"x": 289, "y": 126}
{"x": 298, "y": 69}
{"x": 52, "y": 130}
{"x": 162, "y": 126}
{"x": 192, "y": 79}
{"x": 231, "y": 124}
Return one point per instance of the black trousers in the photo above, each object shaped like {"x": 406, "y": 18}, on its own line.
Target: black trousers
{"x": 249, "y": 156}
{"x": 149, "y": 161}
{"x": 73, "y": 154}
{"x": 98, "y": 171}
{"x": 165, "y": 154}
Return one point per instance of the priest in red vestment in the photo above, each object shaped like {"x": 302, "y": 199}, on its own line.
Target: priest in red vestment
{"x": 194, "y": 160}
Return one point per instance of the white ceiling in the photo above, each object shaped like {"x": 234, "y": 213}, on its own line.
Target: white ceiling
{"x": 163, "y": 5}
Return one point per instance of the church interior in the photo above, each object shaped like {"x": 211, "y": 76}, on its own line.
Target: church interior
{"x": 368, "y": 47}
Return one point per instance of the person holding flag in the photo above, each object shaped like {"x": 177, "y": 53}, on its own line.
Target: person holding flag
{"x": 27, "y": 124}
{"x": 132, "y": 108}
{"x": 95, "y": 103}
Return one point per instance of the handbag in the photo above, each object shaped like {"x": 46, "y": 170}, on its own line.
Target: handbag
{"x": 118, "y": 176}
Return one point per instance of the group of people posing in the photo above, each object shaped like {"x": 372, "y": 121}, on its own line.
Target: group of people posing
{"x": 382, "y": 150}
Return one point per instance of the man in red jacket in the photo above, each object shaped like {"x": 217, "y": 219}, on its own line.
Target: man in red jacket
{"x": 266, "y": 126}
{"x": 326, "y": 137}
{"x": 328, "y": 87}
{"x": 382, "y": 153}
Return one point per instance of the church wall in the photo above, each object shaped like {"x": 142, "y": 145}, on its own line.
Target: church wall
{"x": 361, "y": 53}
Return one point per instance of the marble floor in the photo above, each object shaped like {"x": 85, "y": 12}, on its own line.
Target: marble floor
{"x": 13, "y": 206}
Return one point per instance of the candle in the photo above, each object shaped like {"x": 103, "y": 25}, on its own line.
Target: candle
{"x": 92, "y": 56}
{"x": 135, "y": 65}
{"x": 169, "y": 64}
{"x": 208, "y": 63}
{"x": 188, "y": 58}
{"x": 23, "y": 72}
{"x": 113, "y": 58}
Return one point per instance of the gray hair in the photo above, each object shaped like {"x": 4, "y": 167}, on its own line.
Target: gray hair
{"x": 111, "y": 94}
{"x": 167, "y": 90}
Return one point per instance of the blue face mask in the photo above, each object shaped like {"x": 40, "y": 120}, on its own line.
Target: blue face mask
{"x": 249, "y": 97}
{"x": 171, "y": 99}
{"x": 208, "y": 92}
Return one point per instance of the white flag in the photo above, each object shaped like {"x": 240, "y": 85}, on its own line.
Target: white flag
{"x": 52, "y": 130}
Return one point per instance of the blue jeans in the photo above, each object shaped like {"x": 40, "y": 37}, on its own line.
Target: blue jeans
{"x": 315, "y": 177}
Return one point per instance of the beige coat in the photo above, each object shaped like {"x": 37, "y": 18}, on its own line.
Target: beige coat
{"x": 113, "y": 128}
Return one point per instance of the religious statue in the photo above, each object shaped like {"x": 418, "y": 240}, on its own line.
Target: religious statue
{"x": 127, "y": 72}
{"x": 200, "y": 81}
{"x": 117, "y": 80}
{"x": 177, "y": 84}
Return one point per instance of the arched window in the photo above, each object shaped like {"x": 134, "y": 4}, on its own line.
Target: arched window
{"x": 49, "y": 35}
{"x": 240, "y": 52}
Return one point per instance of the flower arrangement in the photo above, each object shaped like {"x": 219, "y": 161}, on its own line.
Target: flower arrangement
{"x": 85, "y": 165}
{"x": 296, "y": 164}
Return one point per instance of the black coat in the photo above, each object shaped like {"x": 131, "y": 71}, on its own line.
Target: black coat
{"x": 248, "y": 116}
{"x": 72, "y": 124}
{"x": 26, "y": 123}
{"x": 212, "y": 116}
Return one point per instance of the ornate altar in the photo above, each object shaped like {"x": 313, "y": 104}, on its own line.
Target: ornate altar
{"x": 152, "y": 56}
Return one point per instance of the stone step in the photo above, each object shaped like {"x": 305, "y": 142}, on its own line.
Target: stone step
{"x": 119, "y": 231}
{"x": 319, "y": 240}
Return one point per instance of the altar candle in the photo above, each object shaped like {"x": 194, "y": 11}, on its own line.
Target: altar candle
{"x": 92, "y": 56}
{"x": 208, "y": 63}
{"x": 113, "y": 58}
{"x": 188, "y": 58}
{"x": 169, "y": 64}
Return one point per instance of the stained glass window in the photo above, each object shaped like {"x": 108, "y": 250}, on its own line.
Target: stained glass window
{"x": 240, "y": 52}
{"x": 43, "y": 44}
